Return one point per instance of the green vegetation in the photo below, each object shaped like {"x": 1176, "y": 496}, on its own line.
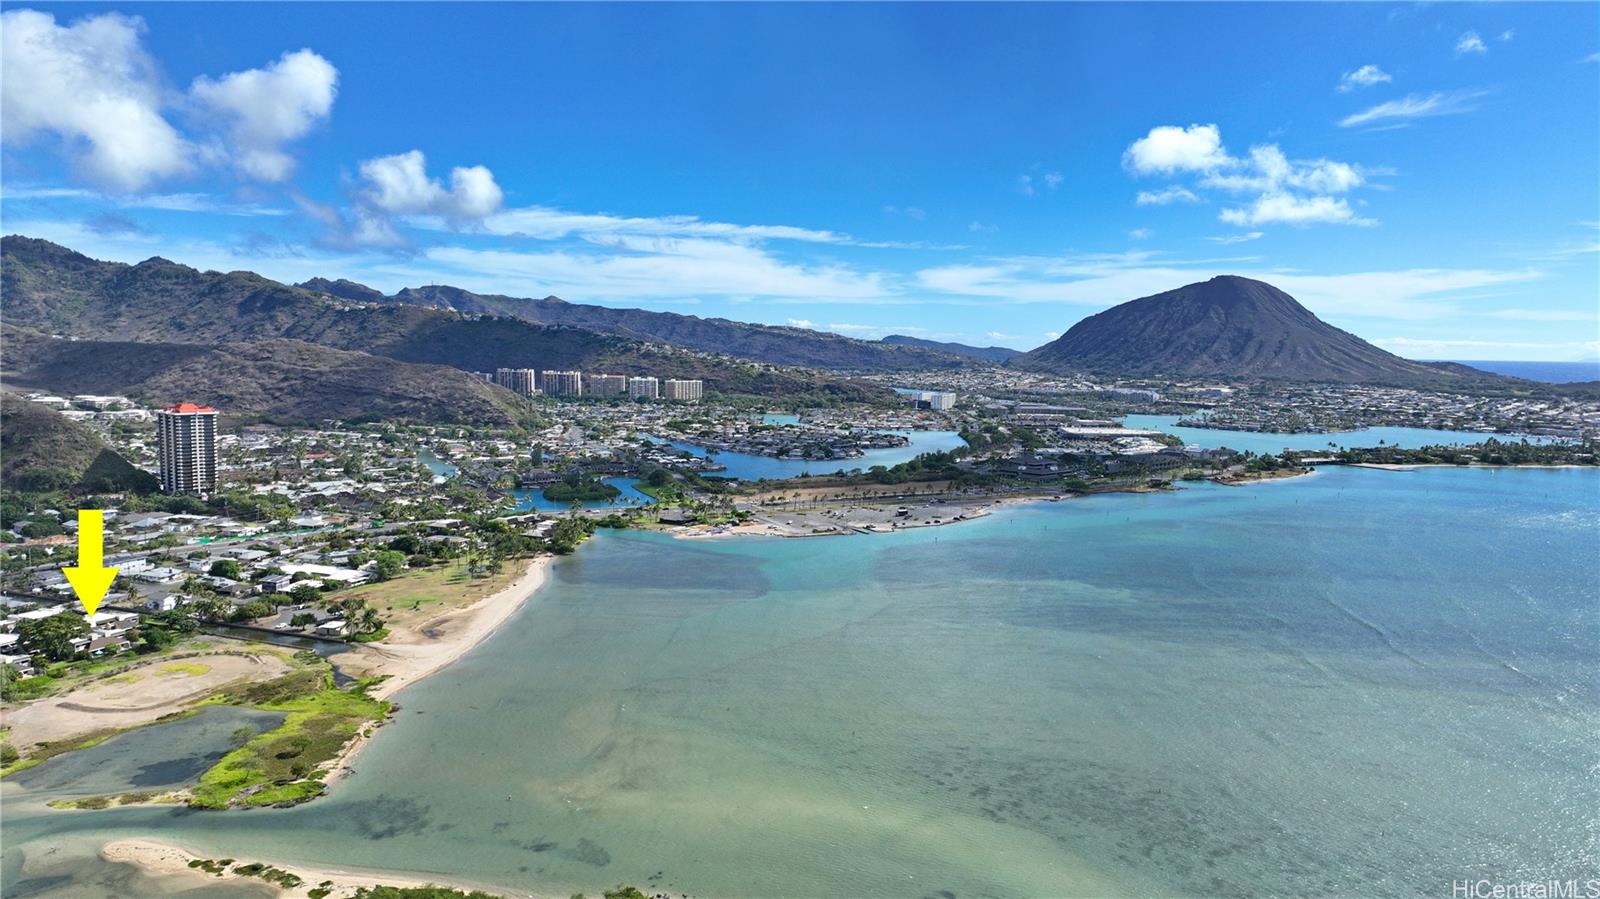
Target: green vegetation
{"x": 52, "y": 637}
{"x": 43, "y": 451}
{"x": 280, "y": 767}
{"x": 568, "y": 533}
{"x": 163, "y": 630}
{"x": 577, "y": 488}
{"x": 1489, "y": 452}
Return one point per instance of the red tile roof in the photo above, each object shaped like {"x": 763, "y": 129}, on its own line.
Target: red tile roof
{"x": 187, "y": 408}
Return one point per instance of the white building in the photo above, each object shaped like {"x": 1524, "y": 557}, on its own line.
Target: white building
{"x": 643, "y": 388}
{"x": 188, "y": 451}
{"x": 939, "y": 400}
{"x": 683, "y": 391}
{"x": 561, "y": 383}
{"x": 520, "y": 380}
{"x": 608, "y": 385}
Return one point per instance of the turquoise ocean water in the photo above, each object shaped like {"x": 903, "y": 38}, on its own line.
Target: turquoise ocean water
{"x": 1269, "y": 442}
{"x": 1355, "y": 683}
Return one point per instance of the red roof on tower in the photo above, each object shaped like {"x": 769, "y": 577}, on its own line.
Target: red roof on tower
{"x": 187, "y": 408}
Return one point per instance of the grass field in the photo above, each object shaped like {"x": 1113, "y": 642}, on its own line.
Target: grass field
{"x": 422, "y": 594}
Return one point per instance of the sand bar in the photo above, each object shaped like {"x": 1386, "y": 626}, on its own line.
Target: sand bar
{"x": 171, "y": 860}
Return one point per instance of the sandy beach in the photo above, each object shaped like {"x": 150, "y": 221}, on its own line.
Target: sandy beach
{"x": 412, "y": 653}
{"x": 170, "y": 860}
{"x": 409, "y": 655}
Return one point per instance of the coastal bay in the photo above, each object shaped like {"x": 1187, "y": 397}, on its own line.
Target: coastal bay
{"x": 1214, "y": 690}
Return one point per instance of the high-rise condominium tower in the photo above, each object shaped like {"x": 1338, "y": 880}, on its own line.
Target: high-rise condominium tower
{"x": 188, "y": 448}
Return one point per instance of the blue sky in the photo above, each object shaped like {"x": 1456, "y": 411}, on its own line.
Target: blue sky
{"x": 1422, "y": 175}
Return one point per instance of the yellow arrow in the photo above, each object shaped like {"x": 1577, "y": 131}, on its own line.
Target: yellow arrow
{"x": 90, "y": 580}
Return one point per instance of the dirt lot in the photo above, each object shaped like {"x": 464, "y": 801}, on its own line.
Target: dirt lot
{"x": 137, "y": 696}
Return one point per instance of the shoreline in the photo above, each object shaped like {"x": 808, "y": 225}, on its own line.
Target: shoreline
{"x": 417, "y": 655}
{"x": 968, "y": 508}
{"x": 1412, "y": 466}
{"x": 402, "y": 664}
{"x": 165, "y": 859}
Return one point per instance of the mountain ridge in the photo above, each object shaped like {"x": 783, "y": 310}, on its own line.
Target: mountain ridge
{"x": 775, "y": 344}
{"x": 50, "y": 289}
{"x": 1235, "y": 328}
{"x": 995, "y": 354}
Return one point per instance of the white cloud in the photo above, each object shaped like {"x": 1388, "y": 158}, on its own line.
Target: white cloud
{"x": 1435, "y": 348}
{"x": 1229, "y": 239}
{"x": 1415, "y": 106}
{"x": 654, "y": 268}
{"x": 1140, "y": 233}
{"x": 873, "y": 332}
{"x": 173, "y": 202}
{"x": 1289, "y": 191}
{"x": 1545, "y": 315}
{"x": 802, "y": 323}
{"x": 399, "y": 185}
{"x": 1164, "y": 197}
{"x": 1169, "y": 149}
{"x": 1029, "y": 186}
{"x": 1288, "y": 209}
{"x": 91, "y": 84}
{"x": 1592, "y": 57}
{"x": 1469, "y": 42}
{"x": 981, "y": 228}
{"x": 1366, "y": 76}
{"x": 263, "y": 109}
{"x": 1508, "y": 34}
{"x": 1101, "y": 282}
{"x": 1269, "y": 170}
{"x": 546, "y": 223}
